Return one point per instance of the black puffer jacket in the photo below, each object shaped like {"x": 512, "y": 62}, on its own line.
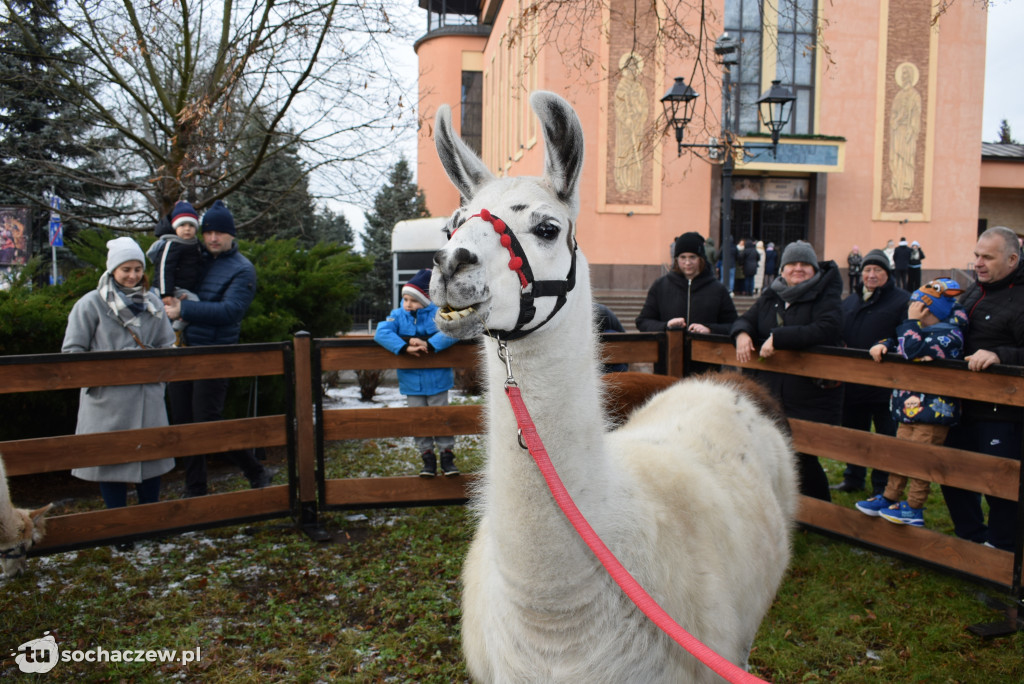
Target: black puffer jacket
{"x": 702, "y": 300}
{"x": 750, "y": 259}
{"x": 901, "y": 257}
{"x": 814, "y": 319}
{"x": 996, "y": 312}
{"x": 865, "y": 323}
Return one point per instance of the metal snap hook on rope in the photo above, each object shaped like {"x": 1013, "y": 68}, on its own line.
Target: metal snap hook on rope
{"x": 505, "y": 355}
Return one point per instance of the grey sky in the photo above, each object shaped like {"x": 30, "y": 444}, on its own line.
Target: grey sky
{"x": 1004, "y": 96}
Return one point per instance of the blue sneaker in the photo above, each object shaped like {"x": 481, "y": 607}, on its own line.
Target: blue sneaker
{"x": 873, "y": 505}
{"x": 904, "y": 515}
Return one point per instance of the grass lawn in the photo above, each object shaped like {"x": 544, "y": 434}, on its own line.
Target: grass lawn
{"x": 381, "y": 602}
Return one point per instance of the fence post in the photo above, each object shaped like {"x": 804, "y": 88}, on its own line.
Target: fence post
{"x": 674, "y": 353}
{"x": 305, "y": 451}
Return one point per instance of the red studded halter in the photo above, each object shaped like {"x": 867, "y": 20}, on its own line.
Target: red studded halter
{"x": 540, "y": 288}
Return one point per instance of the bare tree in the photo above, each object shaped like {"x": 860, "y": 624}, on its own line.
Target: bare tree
{"x": 181, "y": 81}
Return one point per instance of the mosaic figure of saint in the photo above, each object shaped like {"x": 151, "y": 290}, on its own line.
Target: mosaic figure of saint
{"x": 904, "y": 128}
{"x": 630, "y": 119}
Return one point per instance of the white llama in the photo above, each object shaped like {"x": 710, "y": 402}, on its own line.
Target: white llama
{"x": 695, "y": 494}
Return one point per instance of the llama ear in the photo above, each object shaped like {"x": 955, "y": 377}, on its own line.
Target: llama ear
{"x": 39, "y": 512}
{"x": 465, "y": 169}
{"x": 563, "y": 141}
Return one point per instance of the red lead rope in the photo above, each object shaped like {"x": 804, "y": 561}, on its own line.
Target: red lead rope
{"x": 626, "y": 582}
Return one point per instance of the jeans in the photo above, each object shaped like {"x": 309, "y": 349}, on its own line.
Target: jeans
{"x": 115, "y": 494}
{"x": 995, "y": 438}
{"x": 202, "y": 401}
{"x": 444, "y": 442}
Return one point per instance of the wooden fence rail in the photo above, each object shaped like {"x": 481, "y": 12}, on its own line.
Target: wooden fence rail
{"x": 977, "y": 472}
{"x": 307, "y": 428}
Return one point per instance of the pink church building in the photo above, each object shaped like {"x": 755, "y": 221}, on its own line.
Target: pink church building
{"x": 884, "y": 140}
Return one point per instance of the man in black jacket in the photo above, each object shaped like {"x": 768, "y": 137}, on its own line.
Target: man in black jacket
{"x": 995, "y": 306}
{"x": 901, "y": 263}
{"x": 869, "y": 316}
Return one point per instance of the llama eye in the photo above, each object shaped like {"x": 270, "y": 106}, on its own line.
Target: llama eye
{"x": 546, "y": 230}
{"x": 450, "y": 227}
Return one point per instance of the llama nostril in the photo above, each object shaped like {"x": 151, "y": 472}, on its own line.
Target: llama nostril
{"x": 463, "y": 256}
{"x": 450, "y": 262}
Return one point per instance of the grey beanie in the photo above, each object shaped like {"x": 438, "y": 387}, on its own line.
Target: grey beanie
{"x": 877, "y": 257}
{"x": 799, "y": 251}
{"x": 122, "y": 249}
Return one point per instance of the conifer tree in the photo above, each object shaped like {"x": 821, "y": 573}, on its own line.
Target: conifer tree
{"x": 398, "y": 200}
{"x": 1005, "y": 136}
{"x": 332, "y": 227}
{"x": 45, "y": 143}
{"x": 275, "y": 202}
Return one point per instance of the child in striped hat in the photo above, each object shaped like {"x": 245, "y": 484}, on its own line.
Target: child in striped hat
{"x": 410, "y": 329}
{"x": 175, "y": 258}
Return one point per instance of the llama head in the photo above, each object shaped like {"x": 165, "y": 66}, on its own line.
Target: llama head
{"x": 510, "y": 264}
{"x": 18, "y": 533}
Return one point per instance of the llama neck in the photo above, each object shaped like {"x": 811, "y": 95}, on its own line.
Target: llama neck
{"x": 556, "y": 371}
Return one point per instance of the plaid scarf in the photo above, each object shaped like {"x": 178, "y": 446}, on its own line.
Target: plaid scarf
{"x": 126, "y": 302}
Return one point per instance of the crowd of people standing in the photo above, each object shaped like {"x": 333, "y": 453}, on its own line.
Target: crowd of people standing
{"x": 887, "y": 310}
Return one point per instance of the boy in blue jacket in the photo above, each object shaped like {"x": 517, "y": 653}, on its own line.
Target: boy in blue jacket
{"x": 410, "y": 329}
{"x": 934, "y": 329}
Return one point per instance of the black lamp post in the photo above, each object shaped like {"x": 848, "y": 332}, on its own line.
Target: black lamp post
{"x": 775, "y": 107}
{"x": 679, "y": 102}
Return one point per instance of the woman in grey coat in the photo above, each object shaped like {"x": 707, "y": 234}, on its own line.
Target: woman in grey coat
{"x": 121, "y": 314}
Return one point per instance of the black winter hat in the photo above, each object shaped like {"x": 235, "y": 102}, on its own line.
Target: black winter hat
{"x": 218, "y": 218}
{"x": 877, "y": 257}
{"x": 689, "y": 242}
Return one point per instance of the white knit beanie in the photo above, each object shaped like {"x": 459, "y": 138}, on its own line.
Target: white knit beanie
{"x": 122, "y": 249}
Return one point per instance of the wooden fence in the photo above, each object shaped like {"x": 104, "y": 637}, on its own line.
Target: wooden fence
{"x": 307, "y": 427}
{"x": 63, "y": 371}
{"x": 986, "y": 474}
